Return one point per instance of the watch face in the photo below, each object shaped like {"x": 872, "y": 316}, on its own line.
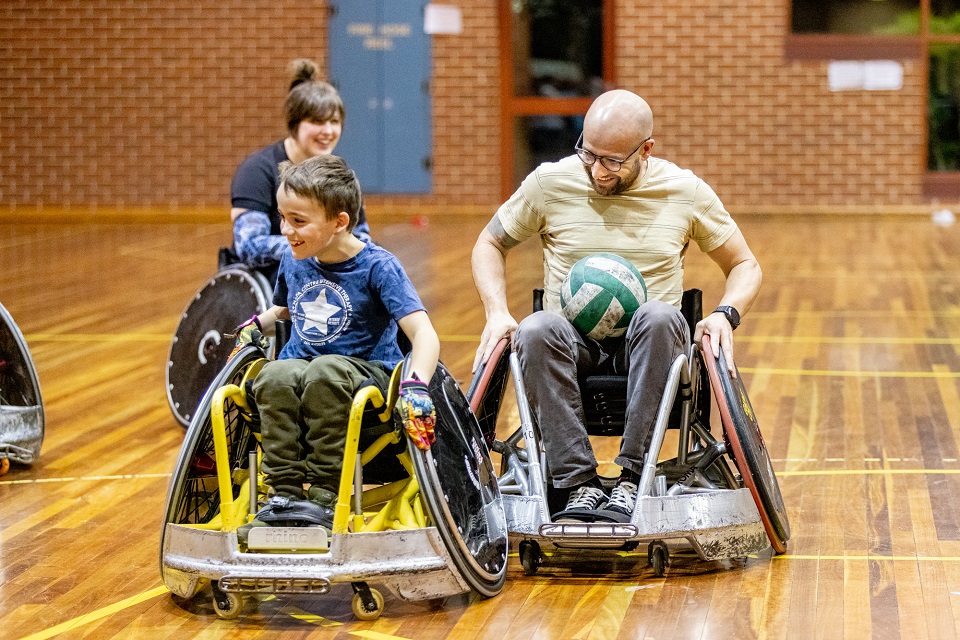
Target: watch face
{"x": 733, "y": 316}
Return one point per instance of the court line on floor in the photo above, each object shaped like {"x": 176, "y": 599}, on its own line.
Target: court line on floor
{"x": 98, "y": 337}
{"x": 867, "y": 558}
{"x": 125, "y": 476}
{"x": 839, "y": 373}
{"x": 93, "y": 616}
{"x": 761, "y": 339}
{"x": 804, "y": 472}
{"x": 868, "y": 472}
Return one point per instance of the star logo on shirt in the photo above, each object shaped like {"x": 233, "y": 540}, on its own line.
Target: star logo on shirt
{"x": 316, "y": 314}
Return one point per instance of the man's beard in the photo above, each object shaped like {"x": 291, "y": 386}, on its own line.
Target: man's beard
{"x": 621, "y": 185}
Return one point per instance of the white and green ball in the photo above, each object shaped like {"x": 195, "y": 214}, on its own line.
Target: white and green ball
{"x": 600, "y": 295}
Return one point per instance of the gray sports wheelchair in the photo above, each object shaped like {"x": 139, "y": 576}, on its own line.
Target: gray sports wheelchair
{"x": 199, "y": 350}
{"x": 21, "y": 406}
{"x": 424, "y": 524}
{"x": 716, "y": 491}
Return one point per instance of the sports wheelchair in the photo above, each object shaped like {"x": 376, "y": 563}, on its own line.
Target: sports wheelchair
{"x": 199, "y": 351}
{"x": 718, "y": 493}
{"x": 21, "y": 406}
{"x": 426, "y": 524}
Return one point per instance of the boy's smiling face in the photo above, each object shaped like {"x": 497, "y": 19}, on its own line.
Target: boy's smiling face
{"x": 304, "y": 223}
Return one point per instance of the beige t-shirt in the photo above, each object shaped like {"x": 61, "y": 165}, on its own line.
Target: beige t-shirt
{"x": 650, "y": 225}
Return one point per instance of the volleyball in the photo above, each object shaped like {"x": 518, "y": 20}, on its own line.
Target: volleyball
{"x": 600, "y": 295}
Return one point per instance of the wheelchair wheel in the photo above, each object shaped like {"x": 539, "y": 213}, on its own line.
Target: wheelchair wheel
{"x": 460, "y": 491}
{"x": 749, "y": 451}
{"x": 485, "y": 393}
{"x": 199, "y": 350}
{"x": 193, "y": 497}
{"x": 21, "y": 406}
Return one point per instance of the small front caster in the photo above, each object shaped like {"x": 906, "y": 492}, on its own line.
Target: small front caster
{"x": 227, "y": 605}
{"x": 367, "y": 603}
{"x": 530, "y": 556}
{"x": 659, "y": 557}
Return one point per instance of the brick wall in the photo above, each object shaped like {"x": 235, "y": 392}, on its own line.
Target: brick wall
{"x": 142, "y": 102}
{"x": 766, "y": 132}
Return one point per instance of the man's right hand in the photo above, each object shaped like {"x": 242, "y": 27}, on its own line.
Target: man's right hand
{"x": 498, "y": 326}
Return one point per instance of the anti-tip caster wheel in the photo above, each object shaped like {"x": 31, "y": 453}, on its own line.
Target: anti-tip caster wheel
{"x": 369, "y": 610}
{"x": 530, "y": 557}
{"x": 226, "y": 605}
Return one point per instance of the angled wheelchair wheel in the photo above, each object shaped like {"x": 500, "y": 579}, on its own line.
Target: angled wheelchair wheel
{"x": 460, "y": 491}
{"x": 193, "y": 496}
{"x": 749, "y": 451}
{"x": 199, "y": 349}
{"x": 21, "y": 406}
{"x": 485, "y": 393}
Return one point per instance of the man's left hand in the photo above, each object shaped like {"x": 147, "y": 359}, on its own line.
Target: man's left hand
{"x": 718, "y": 328}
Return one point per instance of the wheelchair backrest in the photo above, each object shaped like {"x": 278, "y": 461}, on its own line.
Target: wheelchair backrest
{"x": 604, "y": 397}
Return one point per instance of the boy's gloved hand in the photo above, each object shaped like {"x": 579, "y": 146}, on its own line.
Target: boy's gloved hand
{"x": 250, "y": 332}
{"x": 417, "y": 412}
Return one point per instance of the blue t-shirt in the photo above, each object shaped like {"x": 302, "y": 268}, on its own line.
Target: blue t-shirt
{"x": 348, "y": 308}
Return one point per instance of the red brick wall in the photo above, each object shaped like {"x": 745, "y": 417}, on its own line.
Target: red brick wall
{"x": 142, "y": 102}
{"x": 761, "y": 130}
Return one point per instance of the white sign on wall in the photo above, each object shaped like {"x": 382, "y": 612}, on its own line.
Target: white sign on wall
{"x": 870, "y": 75}
{"x": 442, "y": 18}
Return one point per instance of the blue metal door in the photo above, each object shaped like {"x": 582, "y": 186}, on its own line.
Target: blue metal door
{"x": 380, "y": 63}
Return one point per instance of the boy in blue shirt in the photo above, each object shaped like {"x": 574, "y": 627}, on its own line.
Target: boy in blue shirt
{"x": 346, "y": 300}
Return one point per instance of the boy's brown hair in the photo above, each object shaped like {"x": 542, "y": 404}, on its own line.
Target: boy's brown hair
{"x": 328, "y": 181}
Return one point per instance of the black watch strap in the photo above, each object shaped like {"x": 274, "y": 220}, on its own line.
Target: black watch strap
{"x": 733, "y": 316}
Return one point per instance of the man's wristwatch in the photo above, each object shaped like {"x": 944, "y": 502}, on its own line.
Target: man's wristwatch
{"x": 733, "y": 316}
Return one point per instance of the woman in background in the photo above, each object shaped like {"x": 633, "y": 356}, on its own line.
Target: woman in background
{"x": 315, "y": 114}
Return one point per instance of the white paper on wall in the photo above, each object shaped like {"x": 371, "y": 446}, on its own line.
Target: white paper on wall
{"x": 442, "y": 19}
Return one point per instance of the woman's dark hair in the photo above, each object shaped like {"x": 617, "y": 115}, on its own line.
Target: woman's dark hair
{"x": 309, "y": 98}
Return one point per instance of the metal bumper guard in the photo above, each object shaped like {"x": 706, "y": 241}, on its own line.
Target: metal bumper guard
{"x": 21, "y": 433}
{"x": 414, "y": 564}
{"x": 718, "y": 524}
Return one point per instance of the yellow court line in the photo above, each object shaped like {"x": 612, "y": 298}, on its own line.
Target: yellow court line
{"x": 861, "y": 558}
{"x": 126, "y": 476}
{"x": 855, "y": 313}
{"x": 869, "y": 472}
{"x": 93, "y": 616}
{"x": 772, "y": 339}
{"x": 376, "y": 635}
{"x": 843, "y": 340}
{"x": 850, "y": 374}
{"x": 98, "y": 337}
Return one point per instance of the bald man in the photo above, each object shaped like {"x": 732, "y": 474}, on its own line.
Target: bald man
{"x": 611, "y": 196}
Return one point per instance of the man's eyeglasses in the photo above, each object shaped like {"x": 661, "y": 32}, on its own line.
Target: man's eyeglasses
{"x": 610, "y": 164}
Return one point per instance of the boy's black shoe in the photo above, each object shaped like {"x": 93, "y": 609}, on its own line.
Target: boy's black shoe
{"x": 282, "y": 511}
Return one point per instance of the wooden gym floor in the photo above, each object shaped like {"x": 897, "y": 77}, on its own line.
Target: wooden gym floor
{"x": 851, "y": 360}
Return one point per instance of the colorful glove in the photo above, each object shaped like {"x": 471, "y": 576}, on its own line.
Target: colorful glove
{"x": 250, "y": 332}
{"x": 417, "y": 412}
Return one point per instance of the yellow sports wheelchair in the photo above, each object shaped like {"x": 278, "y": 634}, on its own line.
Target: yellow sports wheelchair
{"x": 716, "y": 491}
{"x": 21, "y": 406}
{"x": 424, "y": 524}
